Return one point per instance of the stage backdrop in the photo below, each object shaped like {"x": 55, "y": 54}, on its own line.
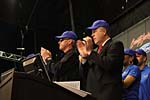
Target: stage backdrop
{"x": 137, "y": 36}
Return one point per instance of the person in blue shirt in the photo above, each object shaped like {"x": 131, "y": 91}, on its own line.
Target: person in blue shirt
{"x": 130, "y": 76}
{"x": 144, "y": 90}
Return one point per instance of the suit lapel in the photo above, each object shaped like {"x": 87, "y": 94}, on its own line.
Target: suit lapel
{"x": 105, "y": 46}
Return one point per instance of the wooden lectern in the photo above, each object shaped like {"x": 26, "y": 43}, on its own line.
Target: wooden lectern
{"x": 21, "y": 86}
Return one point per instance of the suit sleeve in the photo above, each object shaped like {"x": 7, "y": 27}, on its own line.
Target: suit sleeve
{"x": 53, "y": 67}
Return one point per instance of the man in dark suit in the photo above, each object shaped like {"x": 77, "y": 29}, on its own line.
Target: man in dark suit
{"x": 101, "y": 70}
{"x": 67, "y": 68}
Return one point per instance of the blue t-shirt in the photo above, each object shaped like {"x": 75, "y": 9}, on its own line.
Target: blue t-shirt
{"x": 144, "y": 90}
{"x": 132, "y": 91}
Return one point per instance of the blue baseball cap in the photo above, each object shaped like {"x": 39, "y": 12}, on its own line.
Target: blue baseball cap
{"x": 68, "y": 34}
{"x": 128, "y": 51}
{"x": 99, "y": 23}
{"x": 141, "y": 52}
{"x": 31, "y": 55}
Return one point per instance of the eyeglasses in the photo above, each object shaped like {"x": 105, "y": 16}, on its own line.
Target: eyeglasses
{"x": 63, "y": 39}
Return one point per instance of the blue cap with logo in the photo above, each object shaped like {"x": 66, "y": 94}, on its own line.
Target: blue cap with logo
{"x": 68, "y": 34}
{"x": 99, "y": 23}
{"x": 128, "y": 51}
{"x": 141, "y": 52}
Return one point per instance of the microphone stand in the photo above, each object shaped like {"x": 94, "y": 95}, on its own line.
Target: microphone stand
{"x": 22, "y": 31}
{"x": 21, "y": 49}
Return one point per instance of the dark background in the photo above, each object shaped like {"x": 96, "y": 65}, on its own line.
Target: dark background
{"x": 35, "y": 23}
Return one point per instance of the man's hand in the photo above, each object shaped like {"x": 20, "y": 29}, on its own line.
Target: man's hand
{"x": 45, "y": 53}
{"x": 89, "y": 44}
{"x": 85, "y": 47}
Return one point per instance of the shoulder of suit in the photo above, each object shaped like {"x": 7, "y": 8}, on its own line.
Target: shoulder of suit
{"x": 113, "y": 42}
{"x": 116, "y": 42}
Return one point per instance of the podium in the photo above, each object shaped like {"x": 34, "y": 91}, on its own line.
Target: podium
{"x": 21, "y": 86}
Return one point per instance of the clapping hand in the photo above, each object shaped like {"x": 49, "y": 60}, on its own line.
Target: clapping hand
{"x": 85, "y": 47}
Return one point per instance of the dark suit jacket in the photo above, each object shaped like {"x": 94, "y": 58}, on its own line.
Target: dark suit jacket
{"x": 67, "y": 69}
{"x": 102, "y": 72}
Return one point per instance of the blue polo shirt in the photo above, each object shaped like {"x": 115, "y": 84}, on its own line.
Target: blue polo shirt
{"x": 132, "y": 92}
{"x": 144, "y": 90}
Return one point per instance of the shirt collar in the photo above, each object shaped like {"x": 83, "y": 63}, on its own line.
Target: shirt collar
{"x": 105, "y": 41}
{"x": 144, "y": 68}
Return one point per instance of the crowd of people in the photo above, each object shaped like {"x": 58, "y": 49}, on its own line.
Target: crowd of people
{"x": 108, "y": 72}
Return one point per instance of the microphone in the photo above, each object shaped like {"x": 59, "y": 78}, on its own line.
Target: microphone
{"x": 21, "y": 49}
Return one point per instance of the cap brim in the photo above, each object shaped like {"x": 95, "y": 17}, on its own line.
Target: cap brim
{"x": 59, "y": 37}
{"x": 138, "y": 52}
{"x": 91, "y": 28}
{"x": 128, "y": 54}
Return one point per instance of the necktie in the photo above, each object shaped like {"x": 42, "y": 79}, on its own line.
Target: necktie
{"x": 99, "y": 48}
